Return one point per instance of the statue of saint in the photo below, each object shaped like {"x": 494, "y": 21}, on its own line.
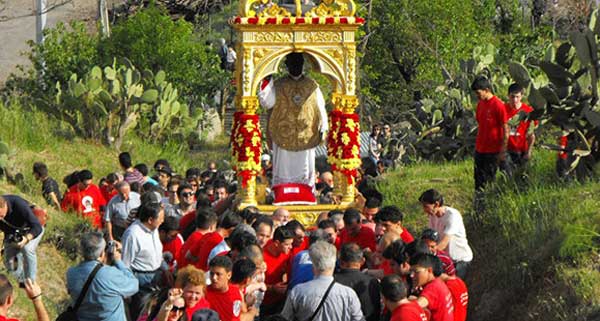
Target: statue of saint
{"x": 297, "y": 123}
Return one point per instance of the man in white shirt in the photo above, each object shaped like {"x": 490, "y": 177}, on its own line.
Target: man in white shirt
{"x": 142, "y": 251}
{"x": 448, "y": 222}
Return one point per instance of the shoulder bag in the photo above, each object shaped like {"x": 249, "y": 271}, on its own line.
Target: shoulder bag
{"x": 322, "y": 301}
{"x": 71, "y": 313}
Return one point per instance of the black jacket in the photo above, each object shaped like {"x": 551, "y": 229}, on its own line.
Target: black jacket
{"x": 367, "y": 289}
{"x": 19, "y": 215}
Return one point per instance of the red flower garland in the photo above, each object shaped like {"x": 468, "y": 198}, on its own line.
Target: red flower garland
{"x": 246, "y": 138}
{"x": 344, "y": 144}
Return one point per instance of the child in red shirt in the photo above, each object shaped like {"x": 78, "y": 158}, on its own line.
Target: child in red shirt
{"x": 171, "y": 240}
{"x": 206, "y": 222}
{"x": 223, "y": 297}
{"x": 395, "y": 292}
{"x": 521, "y": 135}
{"x": 276, "y": 255}
{"x": 85, "y": 198}
{"x": 435, "y": 296}
{"x": 460, "y": 296}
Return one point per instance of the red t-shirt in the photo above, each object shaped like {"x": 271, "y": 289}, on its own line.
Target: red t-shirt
{"x": 3, "y": 318}
{"x": 108, "y": 192}
{"x": 409, "y": 312}
{"x": 202, "y": 304}
{"x": 276, "y": 268}
{"x": 517, "y": 140}
{"x": 85, "y": 202}
{"x": 460, "y": 298}
{"x": 406, "y": 236}
{"x": 186, "y": 220}
{"x": 191, "y": 243}
{"x": 202, "y": 251}
{"x": 491, "y": 117}
{"x": 303, "y": 246}
{"x": 228, "y": 304}
{"x": 440, "y": 300}
{"x": 447, "y": 262}
{"x": 364, "y": 239}
{"x": 174, "y": 246}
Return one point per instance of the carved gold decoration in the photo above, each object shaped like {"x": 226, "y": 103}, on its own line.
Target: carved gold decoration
{"x": 322, "y": 36}
{"x": 273, "y": 37}
{"x": 248, "y": 104}
{"x": 333, "y": 8}
{"x": 274, "y": 11}
{"x": 351, "y": 69}
{"x": 247, "y": 71}
{"x": 248, "y": 194}
{"x": 336, "y": 54}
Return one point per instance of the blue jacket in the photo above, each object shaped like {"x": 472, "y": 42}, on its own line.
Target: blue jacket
{"x": 104, "y": 299}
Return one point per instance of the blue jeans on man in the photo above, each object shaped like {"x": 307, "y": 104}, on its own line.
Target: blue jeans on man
{"x": 22, "y": 263}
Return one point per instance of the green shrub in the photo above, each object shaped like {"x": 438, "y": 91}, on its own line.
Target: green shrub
{"x": 152, "y": 40}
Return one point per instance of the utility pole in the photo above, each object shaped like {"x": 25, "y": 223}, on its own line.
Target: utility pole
{"x": 103, "y": 16}
{"x": 40, "y": 20}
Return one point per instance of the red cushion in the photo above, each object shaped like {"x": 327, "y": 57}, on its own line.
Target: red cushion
{"x": 293, "y": 193}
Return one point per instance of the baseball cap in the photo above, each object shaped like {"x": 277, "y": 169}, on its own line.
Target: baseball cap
{"x": 430, "y": 234}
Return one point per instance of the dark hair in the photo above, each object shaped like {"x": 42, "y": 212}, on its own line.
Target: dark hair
{"x": 221, "y": 261}
{"x": 202, "y": 201}
{"x": 334, "y": 212}
{"x": 351, "y": 253}
{"x": 193, "y": 172}
{"x": 481, "y": 83}
{"x": 229, "y": 220}
{"x": 171, "y": 223}
{"x": 372, "y": 203}
{"x": 276, "y": 317}
{"x": 162, "y": 162}
{"x": 242, "y": 269}
{"x": 40, "y": 168}
{"x": 173, "y": 182}
{"x": 328, "y": 223}
{"x": 431, "y": 196}
{"x": 417, "y": 247}
{"x": 397, "y": 252}
{"x": 351, "y": 216}
{"x": 6, "y": 289}
{"x": 262, "y": 219}
{"x": 249, "y": 214}
{"x": 205, "y": 218}
{"x": 182, "y": 186}
{"x": 220, "y": 184}
{"x": 112, "y": 178}
{"x": 148, "y": 211}
{"x": 282, "y": 233}
{"x": 430, "y": 234}
{"x": 142, "y": 168}
{"x": 125, "y": 159}
{"x": 136, "y": 187}
{"x": 240, "y": 240}
{"x": 393, "y": 288}
{"x": 428, "y": 261}
{"x": 515, "y": 89}
{"x": 84, "y": 175}
{"x": 294, "y": 225}
{"x": 389, "y": 214}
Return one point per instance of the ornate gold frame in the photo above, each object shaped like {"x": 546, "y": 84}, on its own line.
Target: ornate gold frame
{"x": 266, "y": 34}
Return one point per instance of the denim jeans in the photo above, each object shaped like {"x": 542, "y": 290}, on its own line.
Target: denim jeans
{"x": 22, "y": 263}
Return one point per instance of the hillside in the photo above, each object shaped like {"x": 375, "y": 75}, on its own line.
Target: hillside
{"x": 535, "y": 250}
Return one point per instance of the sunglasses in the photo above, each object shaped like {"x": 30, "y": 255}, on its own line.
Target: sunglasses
{"x": 177, "y": 309}
{"x": 187, "y": 194}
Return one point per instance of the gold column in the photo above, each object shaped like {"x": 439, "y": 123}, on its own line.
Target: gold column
{"x": 348, "y": 105}
{"x": 249, "y": 106}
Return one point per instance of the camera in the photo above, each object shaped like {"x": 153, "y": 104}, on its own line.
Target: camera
{"x": 16, "y": 237}
{"x": 111, "y": 246}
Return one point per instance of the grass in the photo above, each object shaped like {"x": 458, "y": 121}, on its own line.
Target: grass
{"x": 536, "y": 246}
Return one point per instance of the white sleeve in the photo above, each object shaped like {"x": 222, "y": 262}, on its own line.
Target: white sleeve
{"x": 266, "y": 97}
{"x": 454, "y": 223}
{"x": 129, "y": 249}
{"x": 321, "y": 105}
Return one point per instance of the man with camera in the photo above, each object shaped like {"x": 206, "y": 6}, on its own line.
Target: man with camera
{"x": 22, "y": 234}
{"x": 111, "y": 283}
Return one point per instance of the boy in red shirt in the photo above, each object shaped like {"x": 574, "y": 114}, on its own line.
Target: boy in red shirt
{"x": 521, "y": 135}
{"x": 223, "y": 297}
{"x": 226, "y": 225}
{"x": 395, "y": 293}
{"x": 85, "y": 198}
{"x": 435, "y": 296}
{"x": 390, "y": 219}
{"x": 355, "y": 232}
{"x": 460, "y": 296}
{"x": 171, "y": 241}
{"x": 206, "y": 222}
{"x": 276, "y": 255}
{"x": 492, "y": 134}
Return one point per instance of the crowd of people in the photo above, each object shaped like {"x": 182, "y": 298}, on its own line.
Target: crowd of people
{"x": 177, "y": 247}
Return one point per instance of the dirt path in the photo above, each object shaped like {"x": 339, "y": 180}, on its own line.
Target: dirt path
{"x": 15, "y": 33}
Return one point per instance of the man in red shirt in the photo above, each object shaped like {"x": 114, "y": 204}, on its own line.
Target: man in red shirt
{"x": 460, "y": 296}
{"x": 226, "y": 298}
{"x": 226, "y": 225}
{"x": 300, "y": 242}
{"x": 7, "y": 299}
{"x": 276, "y": 255}
{"x": 492, "y": 134}
{"x": 521, "y": 134}
{"x": 171, "y": 241}
{"x": 264, "y": 230}
{"x": 395, "y": 294}
{"x": 85, "y": 198}
{"x": 435, "y": 296}
{"x": 432, "y": 238}
{"x": 390, "y": 219}
{"x": 355, "y": 232}
{"x": 206, "y": 222}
